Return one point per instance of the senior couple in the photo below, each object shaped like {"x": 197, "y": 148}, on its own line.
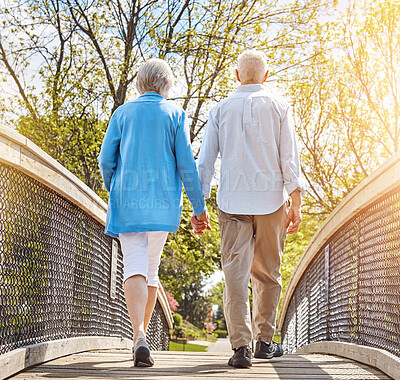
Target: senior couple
{"x": 146, "y": 156}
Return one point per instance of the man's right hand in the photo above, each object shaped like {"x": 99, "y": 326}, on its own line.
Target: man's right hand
{"x": 200, "y": 223}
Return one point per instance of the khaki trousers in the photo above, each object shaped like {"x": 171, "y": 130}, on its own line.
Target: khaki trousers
{"x": 252, "y": 246}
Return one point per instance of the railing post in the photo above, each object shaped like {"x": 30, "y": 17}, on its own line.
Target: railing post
{"x": 309, "y": 307}
{"x": 358, "y": 266}
{"x": 113, "y": 269}
{"x": 327, "y": 272}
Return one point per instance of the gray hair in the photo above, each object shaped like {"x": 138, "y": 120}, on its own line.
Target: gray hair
{"x": 155, "y": 75}
{"x": 252, "y": 66}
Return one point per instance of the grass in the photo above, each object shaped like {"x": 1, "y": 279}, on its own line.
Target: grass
{"x": 208, "y": 337}
{"x": 173, "y": 346}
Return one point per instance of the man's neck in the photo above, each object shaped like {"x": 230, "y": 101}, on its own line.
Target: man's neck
{"x": 245, "y": 83}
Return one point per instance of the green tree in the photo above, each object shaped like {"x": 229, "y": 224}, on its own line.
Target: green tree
{"x": 347, "y": 111}
{"x": 57, "y": 106}
{"x": 373, "y": 64}
{"x": 215, "y": 294}
{"x": 347, "y": 103}
{"x": 204, "y": 47}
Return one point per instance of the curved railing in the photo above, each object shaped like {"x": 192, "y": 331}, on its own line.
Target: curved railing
{"x": 60, "y": 275}
{"x": 346, "y": 287}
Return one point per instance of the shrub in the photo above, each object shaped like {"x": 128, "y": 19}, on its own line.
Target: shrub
{"x": 221, "y": 333}
{"x": 179, "y": 332}
{"x": 177, "y": 319}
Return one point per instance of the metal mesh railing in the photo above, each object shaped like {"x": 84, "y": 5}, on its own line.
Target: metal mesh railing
{"x": 55, "y": 270}
{"x": 350, "y": 292}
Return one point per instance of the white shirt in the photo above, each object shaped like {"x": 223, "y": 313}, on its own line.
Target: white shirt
{"x": 254, "y": 132}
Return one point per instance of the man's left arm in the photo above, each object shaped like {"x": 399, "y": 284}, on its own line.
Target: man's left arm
{"x": 290, "y": 164}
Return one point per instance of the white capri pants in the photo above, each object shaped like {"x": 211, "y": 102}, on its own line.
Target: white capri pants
{"x": 141, "y": 254}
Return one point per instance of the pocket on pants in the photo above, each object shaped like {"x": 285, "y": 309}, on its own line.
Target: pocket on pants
{"x": 236, "y": 236}
{"x": 229, "y": 246}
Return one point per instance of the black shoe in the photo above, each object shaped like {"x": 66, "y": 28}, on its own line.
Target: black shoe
{"x": 141, "y": 354}
{"x": 241, "y": 358}
{"x": 278, "y": 349}
{"x": 268, "y": 350}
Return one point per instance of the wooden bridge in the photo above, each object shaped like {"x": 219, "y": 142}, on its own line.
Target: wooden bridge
{"x": 118, "y": 364}
{"x": 62, "y": 312}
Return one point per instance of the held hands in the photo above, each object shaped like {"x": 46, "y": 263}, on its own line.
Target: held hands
{"x": 200, "y": 223}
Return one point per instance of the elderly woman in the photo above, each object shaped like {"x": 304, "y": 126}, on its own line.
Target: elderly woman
{"x": 145, "y": 157}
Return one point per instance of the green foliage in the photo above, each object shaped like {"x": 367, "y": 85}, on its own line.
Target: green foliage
{"x": 221, "y": 333}
{"x": 346, "y": 105}
{"x": 92, "y": 63}
{"x": 188, "y": 330}
{"x": 277, "y": 337}
{"x": 179, "y": 332}
{"x": 190, "y": 334}
{"x": 347, "y": 101}
{"x": 75, "y": 142}
{"x": 177, "y": 319}
{"x": 215, "y": 294}
{"x": 190, "y": 326}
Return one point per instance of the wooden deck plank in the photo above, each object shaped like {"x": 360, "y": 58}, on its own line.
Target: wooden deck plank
{"x": 118, "y": 364}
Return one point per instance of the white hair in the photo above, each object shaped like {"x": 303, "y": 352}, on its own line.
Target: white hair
{"x": 155, "y": 75}
{"x": 252, "y": 66}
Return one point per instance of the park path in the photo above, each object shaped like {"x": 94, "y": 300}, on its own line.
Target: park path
{"x": 118, "y": 364}
{"x": 221, "y": 345}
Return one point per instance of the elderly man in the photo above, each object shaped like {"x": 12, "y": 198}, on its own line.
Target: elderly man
{"x": 253, "y": 130}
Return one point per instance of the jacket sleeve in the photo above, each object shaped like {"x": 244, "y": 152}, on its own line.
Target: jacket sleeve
{"x": 187, "y": 167}
{"x": 208, "y": 155}
{"x": 289, "y": 155}
{"x": 108, "y": 157}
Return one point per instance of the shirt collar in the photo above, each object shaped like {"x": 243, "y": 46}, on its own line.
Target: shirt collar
{"x": 151, "y": 94}
{"x": 250, "y": 88}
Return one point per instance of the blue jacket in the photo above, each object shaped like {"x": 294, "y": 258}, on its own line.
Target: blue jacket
{"x": 145, "y": 157}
